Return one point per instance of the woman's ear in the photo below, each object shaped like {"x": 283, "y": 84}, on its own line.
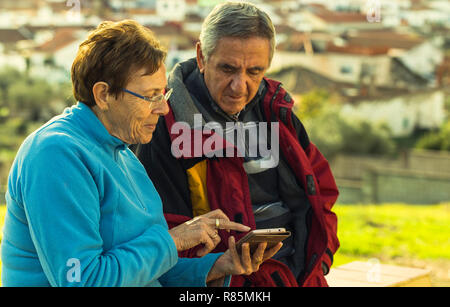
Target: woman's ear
{"x": 200, "y": 58}
{"x": 101, "y": 95}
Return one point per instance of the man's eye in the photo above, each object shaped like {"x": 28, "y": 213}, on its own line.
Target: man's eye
{"x": 254, "y": 72}
{"x": 227, "y": 69}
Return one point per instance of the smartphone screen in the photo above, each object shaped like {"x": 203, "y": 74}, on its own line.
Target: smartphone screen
{"x": 272, "y": 236}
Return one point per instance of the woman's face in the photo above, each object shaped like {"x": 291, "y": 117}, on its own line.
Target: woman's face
{"x": 132, "y": 119}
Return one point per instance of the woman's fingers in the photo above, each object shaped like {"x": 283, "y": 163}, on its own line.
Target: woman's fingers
{"x": 245, "y": 262}
{"x": 229, "y": 225}
{"x": 271, "y": 252}
{"x": 246, "y": 259}
{"x": 232, "y": 248}
{"x": 210, "y": 241}
{"x": 220, "y": 220}
{"x": 258, "y": 256}
{"x": 216, "y": 214}
{"x": 236, "y": 259}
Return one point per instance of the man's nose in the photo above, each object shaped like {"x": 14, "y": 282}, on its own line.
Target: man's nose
{"x": 238, "y": 83}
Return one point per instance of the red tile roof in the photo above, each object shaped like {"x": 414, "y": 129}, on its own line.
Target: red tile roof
{"x": 375, "y": 42}
{"x": 361, "y": 50}
{"x": 341, "y": 17}
{"x": 61, "y": 39}
{"x": 8, "y": 36}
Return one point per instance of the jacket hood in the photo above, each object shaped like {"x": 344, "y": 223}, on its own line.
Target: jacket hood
{"x": 181, "y": 102}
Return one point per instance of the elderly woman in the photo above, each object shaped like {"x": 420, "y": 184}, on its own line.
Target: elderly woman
{"x": 80, "y": 207}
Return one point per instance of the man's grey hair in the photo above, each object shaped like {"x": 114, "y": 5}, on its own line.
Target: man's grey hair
{"x": 235, "y": 19}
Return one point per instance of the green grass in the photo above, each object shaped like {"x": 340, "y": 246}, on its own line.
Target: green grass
{"x": 393, "y": 231}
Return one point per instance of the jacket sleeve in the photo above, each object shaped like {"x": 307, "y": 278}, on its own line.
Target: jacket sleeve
{"x": 328, "y": 190}
{"x": 62, "y": 204}
{"x": 191, "y": 272}
{"x": 169, "y": 176}
{"x": 329, "y": 194}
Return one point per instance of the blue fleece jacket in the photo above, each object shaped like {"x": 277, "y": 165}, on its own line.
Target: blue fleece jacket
{"x": 81, "y": 211}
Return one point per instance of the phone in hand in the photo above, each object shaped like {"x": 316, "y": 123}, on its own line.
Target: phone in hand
{"x": 270, "y": 235}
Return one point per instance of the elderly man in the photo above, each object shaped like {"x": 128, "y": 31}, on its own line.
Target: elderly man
{"x": 201, "y": 157}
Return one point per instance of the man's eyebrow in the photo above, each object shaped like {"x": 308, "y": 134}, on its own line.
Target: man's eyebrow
{"x": 256, "y": 68}
{"x": 226, "y": 65}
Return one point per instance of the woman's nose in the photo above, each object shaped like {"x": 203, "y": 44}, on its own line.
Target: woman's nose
{"x": 161, "y": 108}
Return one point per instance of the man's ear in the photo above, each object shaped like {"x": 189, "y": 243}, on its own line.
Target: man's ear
{"x": 100, "y": 91}
{"x": 200, "y": 58}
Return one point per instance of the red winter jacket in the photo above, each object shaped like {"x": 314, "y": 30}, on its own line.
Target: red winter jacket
{"x": 227, "y": 183}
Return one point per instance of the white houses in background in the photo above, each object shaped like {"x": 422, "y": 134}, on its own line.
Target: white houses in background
{"x": 54, "y": 58}
{"x": 171, "y": 10}
{"x": 402, "y": 113}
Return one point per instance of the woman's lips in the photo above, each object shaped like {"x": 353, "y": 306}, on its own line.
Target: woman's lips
{"x": 151, "y": 126}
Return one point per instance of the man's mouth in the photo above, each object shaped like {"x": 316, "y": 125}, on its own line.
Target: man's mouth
{"x": 235, "y": 97}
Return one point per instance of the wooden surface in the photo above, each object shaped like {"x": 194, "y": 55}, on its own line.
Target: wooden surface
{"x": 374, "y": 274}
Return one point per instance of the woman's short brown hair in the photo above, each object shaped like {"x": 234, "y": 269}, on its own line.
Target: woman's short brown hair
{"x": 112, "y": 53}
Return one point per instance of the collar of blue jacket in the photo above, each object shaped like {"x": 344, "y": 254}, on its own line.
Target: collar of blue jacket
{"x": 91, "y": 125}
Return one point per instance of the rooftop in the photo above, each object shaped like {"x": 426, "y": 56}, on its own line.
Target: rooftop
{"x": 61, "y": 39}
{"x": 11, "y": 36}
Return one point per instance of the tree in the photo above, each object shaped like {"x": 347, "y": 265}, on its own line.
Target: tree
{"x": 312, "y": 103}
{"x": 334, "y": 134}
{"x": 8, "y": 76}
{"x": 30, "y": 97}
{"x": 439, "y": 140}
{"x": 36, "y": 99}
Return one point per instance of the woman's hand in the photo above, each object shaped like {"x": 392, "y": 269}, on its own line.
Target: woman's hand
{"x": 203, "y": 230}
{"x": 231, "y": 263}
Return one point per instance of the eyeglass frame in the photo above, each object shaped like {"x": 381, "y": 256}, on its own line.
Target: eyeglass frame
{"x": 157, "y": 98}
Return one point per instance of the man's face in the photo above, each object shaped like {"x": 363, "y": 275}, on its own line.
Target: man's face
{"x": 234, "y": 71}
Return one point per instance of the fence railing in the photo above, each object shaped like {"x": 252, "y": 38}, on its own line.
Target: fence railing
{"x": 417, "y": 177}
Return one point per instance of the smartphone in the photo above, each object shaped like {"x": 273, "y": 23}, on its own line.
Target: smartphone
{"x": 270, "y": 235}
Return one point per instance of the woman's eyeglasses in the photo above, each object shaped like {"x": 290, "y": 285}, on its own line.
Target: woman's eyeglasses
{"x": 155, "y": 99}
